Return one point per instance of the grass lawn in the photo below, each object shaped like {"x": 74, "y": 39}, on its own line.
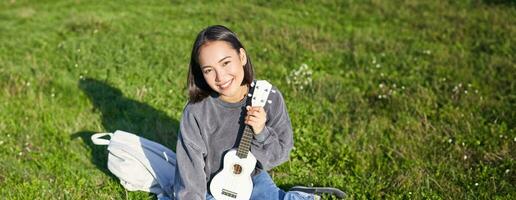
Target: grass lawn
{"x": 388, "y": 99}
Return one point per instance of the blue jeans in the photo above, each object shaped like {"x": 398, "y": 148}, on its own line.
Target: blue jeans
{"x": 264, "y": 188}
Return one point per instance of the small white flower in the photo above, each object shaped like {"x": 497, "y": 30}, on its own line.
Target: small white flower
{"x": 378, "y": 66}
{"x": 1, "y": 142}
{"x": 514, "y": 139}
{"x": 476, "y": 91}
{"x": 476, "y": 184}
{"x": 379, "y": 96}
{"x": 81, "y": 77}
{"x": 450, "y": 140}
{"x": 381, "y": 85}
{"x": 381, "y": 74}
{"x": 53, "y": 95}
{"x": 507, "y": 171}
{"x": 465, "y": 157}
{"x": 465, "y": 92}
{"x": 28, "y": 83}
{"x": 402, "y": 87}
{"x": 76, "y": 65}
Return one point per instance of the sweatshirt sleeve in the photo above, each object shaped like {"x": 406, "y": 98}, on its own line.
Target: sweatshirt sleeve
{"x": 272, "y": 146}
{"x": 190, "y": 179}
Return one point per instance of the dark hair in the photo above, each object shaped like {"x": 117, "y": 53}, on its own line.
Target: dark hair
{"x": 198, "y": 89}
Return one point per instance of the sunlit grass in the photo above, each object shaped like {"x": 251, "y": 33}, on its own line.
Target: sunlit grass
{"x": 405, "y": 99}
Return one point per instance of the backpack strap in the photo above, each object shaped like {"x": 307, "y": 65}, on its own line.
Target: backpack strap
{"x": 96, "y": 138}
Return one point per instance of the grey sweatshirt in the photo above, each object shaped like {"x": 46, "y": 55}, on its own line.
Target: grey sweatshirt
{"x": 211, "y": 127}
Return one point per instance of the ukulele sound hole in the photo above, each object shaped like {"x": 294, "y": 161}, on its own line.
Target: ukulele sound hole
{"x": 237, "y": 169}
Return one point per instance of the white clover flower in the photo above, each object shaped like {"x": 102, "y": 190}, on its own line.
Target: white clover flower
{"x": 465, "y": 157}
{"x": 381, "y": 85}
{"x": 300, "y": 78}
{"x": 476, "y": 184}
{"x": 450, "y": 140}
{"x": 507, "y": 171}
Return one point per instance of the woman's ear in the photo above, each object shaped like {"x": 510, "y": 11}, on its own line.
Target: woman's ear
{"x": 243, "y": 56}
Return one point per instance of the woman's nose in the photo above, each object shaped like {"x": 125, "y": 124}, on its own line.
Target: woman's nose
{"x": 219, "y": 75}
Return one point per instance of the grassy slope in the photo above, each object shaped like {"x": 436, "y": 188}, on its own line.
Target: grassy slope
{"x": 407, "y": 100}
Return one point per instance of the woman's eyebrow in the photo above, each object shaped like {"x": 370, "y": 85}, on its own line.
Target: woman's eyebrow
{"x": 217, "y": 62}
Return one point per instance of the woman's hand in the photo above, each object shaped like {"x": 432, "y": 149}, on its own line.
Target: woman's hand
{"x": 256, "y": 117}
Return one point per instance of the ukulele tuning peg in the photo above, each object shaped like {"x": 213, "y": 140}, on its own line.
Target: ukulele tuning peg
{"x": 252, "y": 84}
{"x": 269, "y": 101}
{"x": 249, "y": 95}
{"x": 273, "y": 91}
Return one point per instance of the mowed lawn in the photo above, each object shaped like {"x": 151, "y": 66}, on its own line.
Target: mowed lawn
{"x": 388, "y": 99}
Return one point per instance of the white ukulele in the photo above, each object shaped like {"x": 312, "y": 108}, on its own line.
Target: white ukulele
{"x": 234, "y": 180}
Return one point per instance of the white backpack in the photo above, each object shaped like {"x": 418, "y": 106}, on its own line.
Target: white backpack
{"x": 140, "y": 164}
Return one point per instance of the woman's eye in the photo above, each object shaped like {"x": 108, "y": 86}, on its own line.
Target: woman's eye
{"x": 225, "y": 63}
{"x": 207, "y": 71}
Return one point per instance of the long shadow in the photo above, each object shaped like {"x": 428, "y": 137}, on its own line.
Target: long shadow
{"x": 121, "y": 113}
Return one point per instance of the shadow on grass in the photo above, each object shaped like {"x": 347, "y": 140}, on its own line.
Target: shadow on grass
{"x": 121, "y": 113}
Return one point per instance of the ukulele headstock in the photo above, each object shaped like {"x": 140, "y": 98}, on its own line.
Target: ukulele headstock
{"x": 261, "y": 92}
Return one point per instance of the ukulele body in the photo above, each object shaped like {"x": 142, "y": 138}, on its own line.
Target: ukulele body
{"x": 234, "y": 180}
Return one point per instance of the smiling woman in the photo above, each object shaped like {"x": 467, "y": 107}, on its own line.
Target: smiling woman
{"x": 217, "y": 119}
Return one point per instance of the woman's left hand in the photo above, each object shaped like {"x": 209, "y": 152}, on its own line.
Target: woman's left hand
{"x": 256, "y": 117}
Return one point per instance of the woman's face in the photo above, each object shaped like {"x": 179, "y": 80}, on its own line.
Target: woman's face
{"x": 223, "y": 69}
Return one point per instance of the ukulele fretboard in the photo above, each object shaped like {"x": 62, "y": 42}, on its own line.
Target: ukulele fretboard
{"x": 245, "y": 142}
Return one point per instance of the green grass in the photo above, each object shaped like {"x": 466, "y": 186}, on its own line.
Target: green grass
{"x": 407, "y": 100}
